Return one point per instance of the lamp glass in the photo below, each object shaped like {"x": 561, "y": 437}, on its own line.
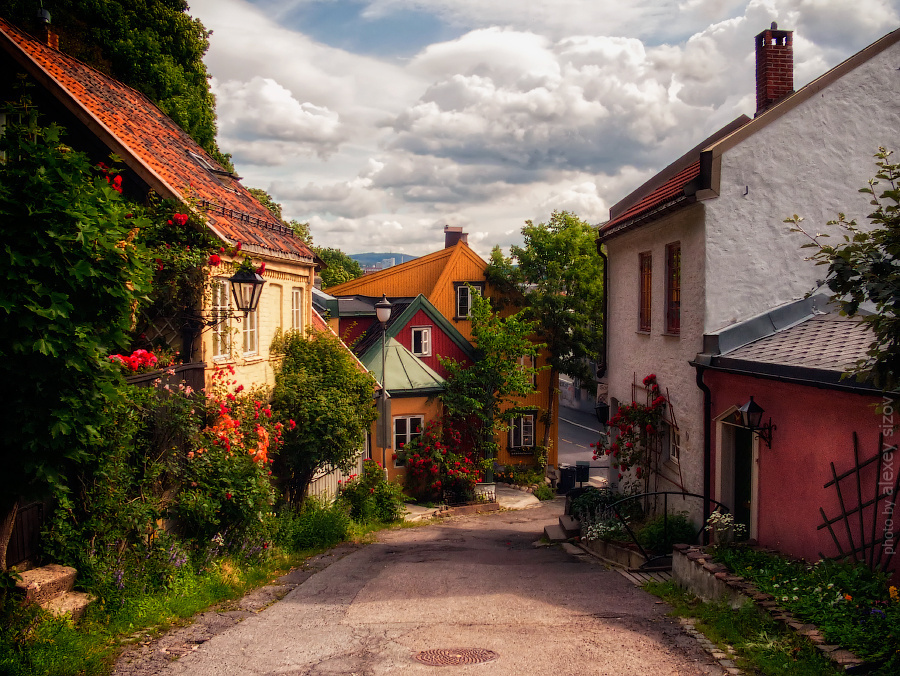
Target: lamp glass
{"x": 383, "y": 309}
{"x": 751, "y": 414}
{"x": 246, "y": 287}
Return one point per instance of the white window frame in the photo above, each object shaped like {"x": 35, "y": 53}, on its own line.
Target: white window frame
{"x": 221, "y": 331}
{"x": 521, "y": 430}
{"x": 674, "y": 444}
{"x": 408, "y": 434}
{"x": 251, "y": 334}
{"x": 425, "y": 340}
{"x": 529, "y": 361}
{"x": 297, "y": 308}
{"x": 463, "y": 291}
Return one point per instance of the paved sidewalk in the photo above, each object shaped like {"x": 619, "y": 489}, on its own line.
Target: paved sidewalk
{"x": 508, "y": 498}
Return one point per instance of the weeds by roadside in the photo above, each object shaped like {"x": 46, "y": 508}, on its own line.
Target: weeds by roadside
{"x": 762, "y": 646}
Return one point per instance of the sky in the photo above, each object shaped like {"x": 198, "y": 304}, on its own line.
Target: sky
{"x": 381, "y": 121}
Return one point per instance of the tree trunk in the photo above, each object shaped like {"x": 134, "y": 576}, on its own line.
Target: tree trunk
{"x": 8, "y": 510}
{"x": 554, "y": 374}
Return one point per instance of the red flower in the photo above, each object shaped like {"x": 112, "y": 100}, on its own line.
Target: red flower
{"x": 180, "y": 219}
{"x": 292, "y": 424}
{"x": 159, "y": 264}
{"x": 214, "y": 260}
{"x": 237, "y": 247}
{"x": 228, "y": 496}
{"x": 261, "y": 269}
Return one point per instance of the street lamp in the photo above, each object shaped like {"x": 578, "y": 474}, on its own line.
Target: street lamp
{"x": 383, "y": 313}
{"x": 751, "y": 418}
{"x": 246, "y": 287}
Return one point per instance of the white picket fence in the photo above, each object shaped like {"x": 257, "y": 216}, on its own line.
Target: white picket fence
{"x": 325, "y": 484}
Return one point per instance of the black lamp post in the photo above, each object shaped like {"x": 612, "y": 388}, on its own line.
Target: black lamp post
{"x": 751, "y": 418}
{"x": 383, "y": 313}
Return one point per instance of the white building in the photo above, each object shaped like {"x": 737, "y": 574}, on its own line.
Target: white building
{"x": 702, "y": 246}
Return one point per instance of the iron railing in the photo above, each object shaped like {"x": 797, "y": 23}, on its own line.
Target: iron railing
{"x": 616, "y": 509}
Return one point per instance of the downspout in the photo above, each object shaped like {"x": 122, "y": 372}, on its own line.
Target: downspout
{"x": 707, "y": 443}
{"x": 601, "y": 367}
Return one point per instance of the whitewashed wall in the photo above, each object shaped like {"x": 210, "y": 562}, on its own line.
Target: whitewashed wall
{"x": 634, "y": 355}
{"x": 811, "y": 162}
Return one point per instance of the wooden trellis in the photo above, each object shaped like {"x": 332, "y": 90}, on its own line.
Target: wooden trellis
{"x": 868, "y": 546}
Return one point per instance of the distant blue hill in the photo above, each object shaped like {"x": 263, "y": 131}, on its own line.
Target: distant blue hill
{"x": 370, "y": 259}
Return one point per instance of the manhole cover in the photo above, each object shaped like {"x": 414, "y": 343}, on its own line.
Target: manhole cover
{"x": 451, "y": 657}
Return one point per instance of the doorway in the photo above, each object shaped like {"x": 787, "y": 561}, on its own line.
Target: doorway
{"x": 737, "y": 474}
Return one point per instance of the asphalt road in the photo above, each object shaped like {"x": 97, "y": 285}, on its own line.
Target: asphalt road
{"x": 577, "y": 431}
{"x": 468, "y": 583}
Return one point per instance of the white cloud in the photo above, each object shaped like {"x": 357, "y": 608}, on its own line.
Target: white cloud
{"x": 535, "y": 107}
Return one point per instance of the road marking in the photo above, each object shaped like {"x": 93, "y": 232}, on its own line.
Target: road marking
{"x": 584, "y": 427}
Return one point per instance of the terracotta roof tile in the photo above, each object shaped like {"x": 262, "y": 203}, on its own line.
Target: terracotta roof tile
{"x": 159, "y": 144}
{"x": 668, "y": 191}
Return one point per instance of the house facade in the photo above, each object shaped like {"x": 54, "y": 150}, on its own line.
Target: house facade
{"x": 431, "y": 296}
{"x": 702, "y": 246}
{"x": 819, "y": 478}
{"x": 104, "y": 116}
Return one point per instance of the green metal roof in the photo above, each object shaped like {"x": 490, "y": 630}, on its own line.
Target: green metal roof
{"x": 406, "y": 373}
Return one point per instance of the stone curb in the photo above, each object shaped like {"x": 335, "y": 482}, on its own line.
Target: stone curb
{"x": 725, "y": 659}
{"x": 843, "y": 659}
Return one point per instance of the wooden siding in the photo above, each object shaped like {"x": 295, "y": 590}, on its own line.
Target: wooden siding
{"x": 407, "y": 279}
{"x": 441, "y": 344}
{"x": 351, "y": 328}
{"x": 325, "y": 484}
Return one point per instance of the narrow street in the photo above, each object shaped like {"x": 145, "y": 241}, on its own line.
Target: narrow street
{"x": 469, "y": 583}
{"x": 577, "y": 431}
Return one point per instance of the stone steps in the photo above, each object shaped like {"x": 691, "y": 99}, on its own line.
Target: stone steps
{"x": 570, "y": 525}
{"x": 51, "y": 587}
{"x": 555, "y": 533}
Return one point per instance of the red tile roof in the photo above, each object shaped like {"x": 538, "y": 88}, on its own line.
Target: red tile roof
{"x": 672, "y": 189}
{"x": 153, "y": 146}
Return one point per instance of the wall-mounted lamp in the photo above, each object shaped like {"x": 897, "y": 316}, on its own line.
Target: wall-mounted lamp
{"x": 601, "y": 410}
{"x": 246, "y": 287}
{"x": 751, "y": 418}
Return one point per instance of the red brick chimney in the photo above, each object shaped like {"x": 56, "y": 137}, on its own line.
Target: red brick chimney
{"x": 774, "y": 66}
{"x": 454, "y": 234}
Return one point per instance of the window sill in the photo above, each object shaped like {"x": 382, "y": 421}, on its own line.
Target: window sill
{"x": 669, "y": 334}
{"x": 252, "y": 358}
{"x": 521, "y": 450}
{"x": 416, "y": 354}
{"x": 643, "y": 333}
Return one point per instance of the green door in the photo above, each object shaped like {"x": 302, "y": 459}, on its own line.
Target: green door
{"x": 743, "y": 473}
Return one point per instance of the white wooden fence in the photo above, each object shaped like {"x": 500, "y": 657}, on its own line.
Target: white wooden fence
{"x": 325, "y": 483}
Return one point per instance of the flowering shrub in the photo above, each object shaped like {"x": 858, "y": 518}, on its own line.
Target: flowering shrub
{"x": 371, "y": 497}
{"x": 436, "y": 469}
{"x": 225, "y": 479}
{"x": 639, "y": 428}
{"x": 141, "y": 361}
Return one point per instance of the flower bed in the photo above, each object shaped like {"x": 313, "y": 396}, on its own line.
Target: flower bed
{"x": 846, "y": 611}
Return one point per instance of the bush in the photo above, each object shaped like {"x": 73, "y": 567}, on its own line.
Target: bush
{"x": 519, "y": 475}
{"x": 436, "y": 468}
{"x": 543, "y": 492}
{"x": 314, "y": 525}
{"x": 661, "y": 532}
{"x": 370, "y": 497}
{"x": 592, "y": 501}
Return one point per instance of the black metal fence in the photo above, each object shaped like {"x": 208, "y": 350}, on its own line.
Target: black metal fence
{"x": 192, "y": 374}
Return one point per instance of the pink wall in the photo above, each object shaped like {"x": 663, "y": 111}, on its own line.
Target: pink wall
{"x": 814, "y": 428}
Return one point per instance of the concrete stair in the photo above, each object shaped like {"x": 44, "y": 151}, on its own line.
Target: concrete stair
{"x": 51, "y": 587}
{"x": 567, "y": 528}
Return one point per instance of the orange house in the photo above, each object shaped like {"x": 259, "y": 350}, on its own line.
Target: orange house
{"x": 443, "y": 279}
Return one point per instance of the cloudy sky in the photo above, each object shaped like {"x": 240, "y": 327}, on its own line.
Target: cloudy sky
{"x": 380, "y": 121}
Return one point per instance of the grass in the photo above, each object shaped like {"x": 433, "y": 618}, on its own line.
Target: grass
{"x": 762, "y": 646}
{"x": 33, "y": 642}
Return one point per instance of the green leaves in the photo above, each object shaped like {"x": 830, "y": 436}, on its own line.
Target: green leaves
{"x": 866, "y": 268}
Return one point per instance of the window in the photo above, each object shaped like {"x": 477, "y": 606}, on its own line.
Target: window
{"x": 464, "y": 298}
{"x": 645, "y": 299}
{"x": 406, "y": 428}
{"x": 674, "y": 444}
{"x": 521, "y": 432}
{"x": 251, "y": 333}
{"x": 421, "y": 341}
{"x": 527, "y": 361}
{"x": 297, "y": 309}
{"x": 673, "y": 288}
{"x": 221, "y": 332}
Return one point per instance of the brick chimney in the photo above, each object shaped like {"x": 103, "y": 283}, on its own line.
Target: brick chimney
{"x": 51, "y": 39}
{"x": 454, "y": 234}
{"x": 774, "y": 67}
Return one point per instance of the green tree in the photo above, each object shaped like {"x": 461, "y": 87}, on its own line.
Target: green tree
{"x": 71, "y": 281}
{"x": 325, "y": 402}
{"x": 865, "y": 267}
{"x": 479, "y": 399}
{"x": 557, "y": 276}
{"x": 151, "y": 45}
{"x": 341, "y": 268}
{"x": 267, "y": 201}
